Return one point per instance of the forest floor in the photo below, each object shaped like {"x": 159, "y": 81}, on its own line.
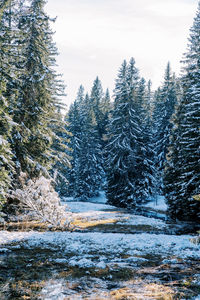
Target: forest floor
{"x": 109, "y": 254}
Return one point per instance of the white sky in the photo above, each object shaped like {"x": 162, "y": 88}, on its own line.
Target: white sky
{"x": 94, "y": 37}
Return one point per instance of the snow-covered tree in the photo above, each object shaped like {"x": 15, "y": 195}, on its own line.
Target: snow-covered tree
{"x": 86, "y": 175}
{"x": 6, "y": 69}
{"x": 128, "y": 153}
{"x": 96, "y": 99}
{"x": 164, "y": 105}
{"x": 37, "y": 103}
{"x": 106, "y": 110}
{"x": 182, "y": 175}
{"x": 38, "y": 199}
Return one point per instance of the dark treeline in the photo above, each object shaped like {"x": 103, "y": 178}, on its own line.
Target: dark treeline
{"x": 143, "y": 144}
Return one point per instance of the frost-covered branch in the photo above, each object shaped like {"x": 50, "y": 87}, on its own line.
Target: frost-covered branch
{"x": 40, "y": 199}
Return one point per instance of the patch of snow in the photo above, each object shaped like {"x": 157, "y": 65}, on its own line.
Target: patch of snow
{"x": 4, "y": 250}
{"x": 82, "y": 263}
{"x": 136, "y": 220}
{"x": 61, "y": 260}
{"x": 97, "y": 211}
{"x": 157, "y": 203}
{"x": 101, "y": 265}
{"x": 107, "y": 243}
{"x": 77, "y": 206}
{"x": 67, "y": 199}
{"x": 53, "y": 291}
{"x": 101, "y": 198}
{"x": 170, "y": 261}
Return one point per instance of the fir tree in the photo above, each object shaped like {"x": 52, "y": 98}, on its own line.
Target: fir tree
{"x": 129, "y": 155}
{"x": 86, "y": 176}
{"x": 37, "y": 105}
{"x": 145, "y": 177}
{"x": 165, "y": 100}
{"x": 96, "y": 99}
{"x": 121, "y": 158}
{"x": 106, "y": 110}
{"x": 6, "y": 165}
{"x": 182, "y": 175}
{"x": 74, "y": 128}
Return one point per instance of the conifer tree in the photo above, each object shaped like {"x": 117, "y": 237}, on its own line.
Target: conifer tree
{"x": 6, "y": 166}
{"x": 96, "y": 99}
{"x": 106, "y": 110}
{"x": 182, "y": 174}
{"x": 145, "y": 164}
{"x": 121, "y": 156}
{"x": 37, "y": 103}
{"x": 86, "y": 175}
{"x": 129, "y": 157}
{"x": 165, "y": 100}
{"x": 74, "y": 128}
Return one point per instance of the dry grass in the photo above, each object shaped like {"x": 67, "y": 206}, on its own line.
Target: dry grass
{"x": 142, "y": 291}
{"x": 85, "y": 223}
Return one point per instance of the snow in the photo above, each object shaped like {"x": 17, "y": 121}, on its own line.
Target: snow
{"x": 77, "y": 207}
{"x": 82, "y": 244}
{"x": 100, "y": 250}
{"x": 101, "y": 198}
{"x": 96, "y": 211}
{"x": 157, "y": 204}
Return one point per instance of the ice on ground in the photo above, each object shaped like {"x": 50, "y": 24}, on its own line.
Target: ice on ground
{"x": 107, "y": 243}
{"x": 157, "y": 203}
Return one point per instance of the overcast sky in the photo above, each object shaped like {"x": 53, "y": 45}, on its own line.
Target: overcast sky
{"x": 94, "y": 37}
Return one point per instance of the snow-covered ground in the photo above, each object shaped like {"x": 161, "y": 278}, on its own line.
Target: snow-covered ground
{"x": 94, "y": 211}
{"x": 157, "y": 203}
{"x": 103, "y": 250}
{"x": 101, "y": 198}
{"x": 81, "y": 244}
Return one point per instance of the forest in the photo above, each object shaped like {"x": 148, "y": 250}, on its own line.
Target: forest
{"x": 133, "y": 146}
{"x": 142, "y": 144}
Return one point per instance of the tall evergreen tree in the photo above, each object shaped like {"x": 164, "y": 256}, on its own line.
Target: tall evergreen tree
{"x": 6, "y": 167}
{"x": 182, "y": 174}
{"x": 165, "y": 100}
{"x": 146, "y": 171}
{"x": 86, "y": 176}
{"x": 74, "y": 128}
{"x": 105, "y": 110}
{"x": 96, "y": 98}
{"x": 37, "y": 104}
{"x": 121, "y": 157}
{"x": 129, "y": 161}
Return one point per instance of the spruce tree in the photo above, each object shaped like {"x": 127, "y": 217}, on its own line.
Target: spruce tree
{"x": 129, "y": 154}
{"x": 6, "y": 166}
{"x": 121, "y": 149}
{"x": 145, "y": 178}
{"x": 164, "y": 105}
{"x": 74, "y": 128}
{"x": 86, "y": 175}
{"x": 106, "y": 110}
{"x": 182, "y": 174}
{"x": 37, "y": 105}
{"x": 96, "y": 99}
